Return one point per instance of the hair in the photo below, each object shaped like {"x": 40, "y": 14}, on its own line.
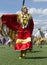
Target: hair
{"x": 39, "y": 28}
{"x": 23, "y": 8}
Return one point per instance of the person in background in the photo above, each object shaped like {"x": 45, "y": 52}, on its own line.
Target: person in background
{"x": 2, "y": 39}
{"x": 40, "y": 37}
{"x": 6, "y": 36}
{"x": 45, "y": 35}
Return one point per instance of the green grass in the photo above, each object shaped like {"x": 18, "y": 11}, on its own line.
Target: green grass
{"x": 8, "y": 56}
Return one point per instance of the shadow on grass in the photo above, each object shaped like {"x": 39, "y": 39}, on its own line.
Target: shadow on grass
{"x": 35, "y": 57}
{"x": 33, "y": 51}
{"x": 28, "y": 51}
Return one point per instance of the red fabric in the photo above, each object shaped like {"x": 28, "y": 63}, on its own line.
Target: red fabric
{"x": 22, "y": 46}
{"x": 11, "y": 21}
{"x": 24, "y": 34}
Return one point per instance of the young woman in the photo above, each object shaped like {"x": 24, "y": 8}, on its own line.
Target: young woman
{"x": 25, "y": 30}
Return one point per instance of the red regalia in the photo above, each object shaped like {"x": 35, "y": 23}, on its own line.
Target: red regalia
{"x": 25, "y": 30}
{"x": 23, "y": 41}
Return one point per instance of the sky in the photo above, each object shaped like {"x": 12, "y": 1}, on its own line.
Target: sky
{"x": 37, "y": 8}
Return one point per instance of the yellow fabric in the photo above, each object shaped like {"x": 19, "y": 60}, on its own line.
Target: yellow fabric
{"x": 24, "y": 17}
{"x": 23, "y": 41}
{"x": 39, "y": 40}
{"x": 42, "y": 39}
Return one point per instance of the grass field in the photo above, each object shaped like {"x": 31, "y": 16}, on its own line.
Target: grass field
{"x": 8, "y": 56}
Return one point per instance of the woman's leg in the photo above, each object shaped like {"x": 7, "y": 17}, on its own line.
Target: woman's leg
{"x": 23, "y": 53}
